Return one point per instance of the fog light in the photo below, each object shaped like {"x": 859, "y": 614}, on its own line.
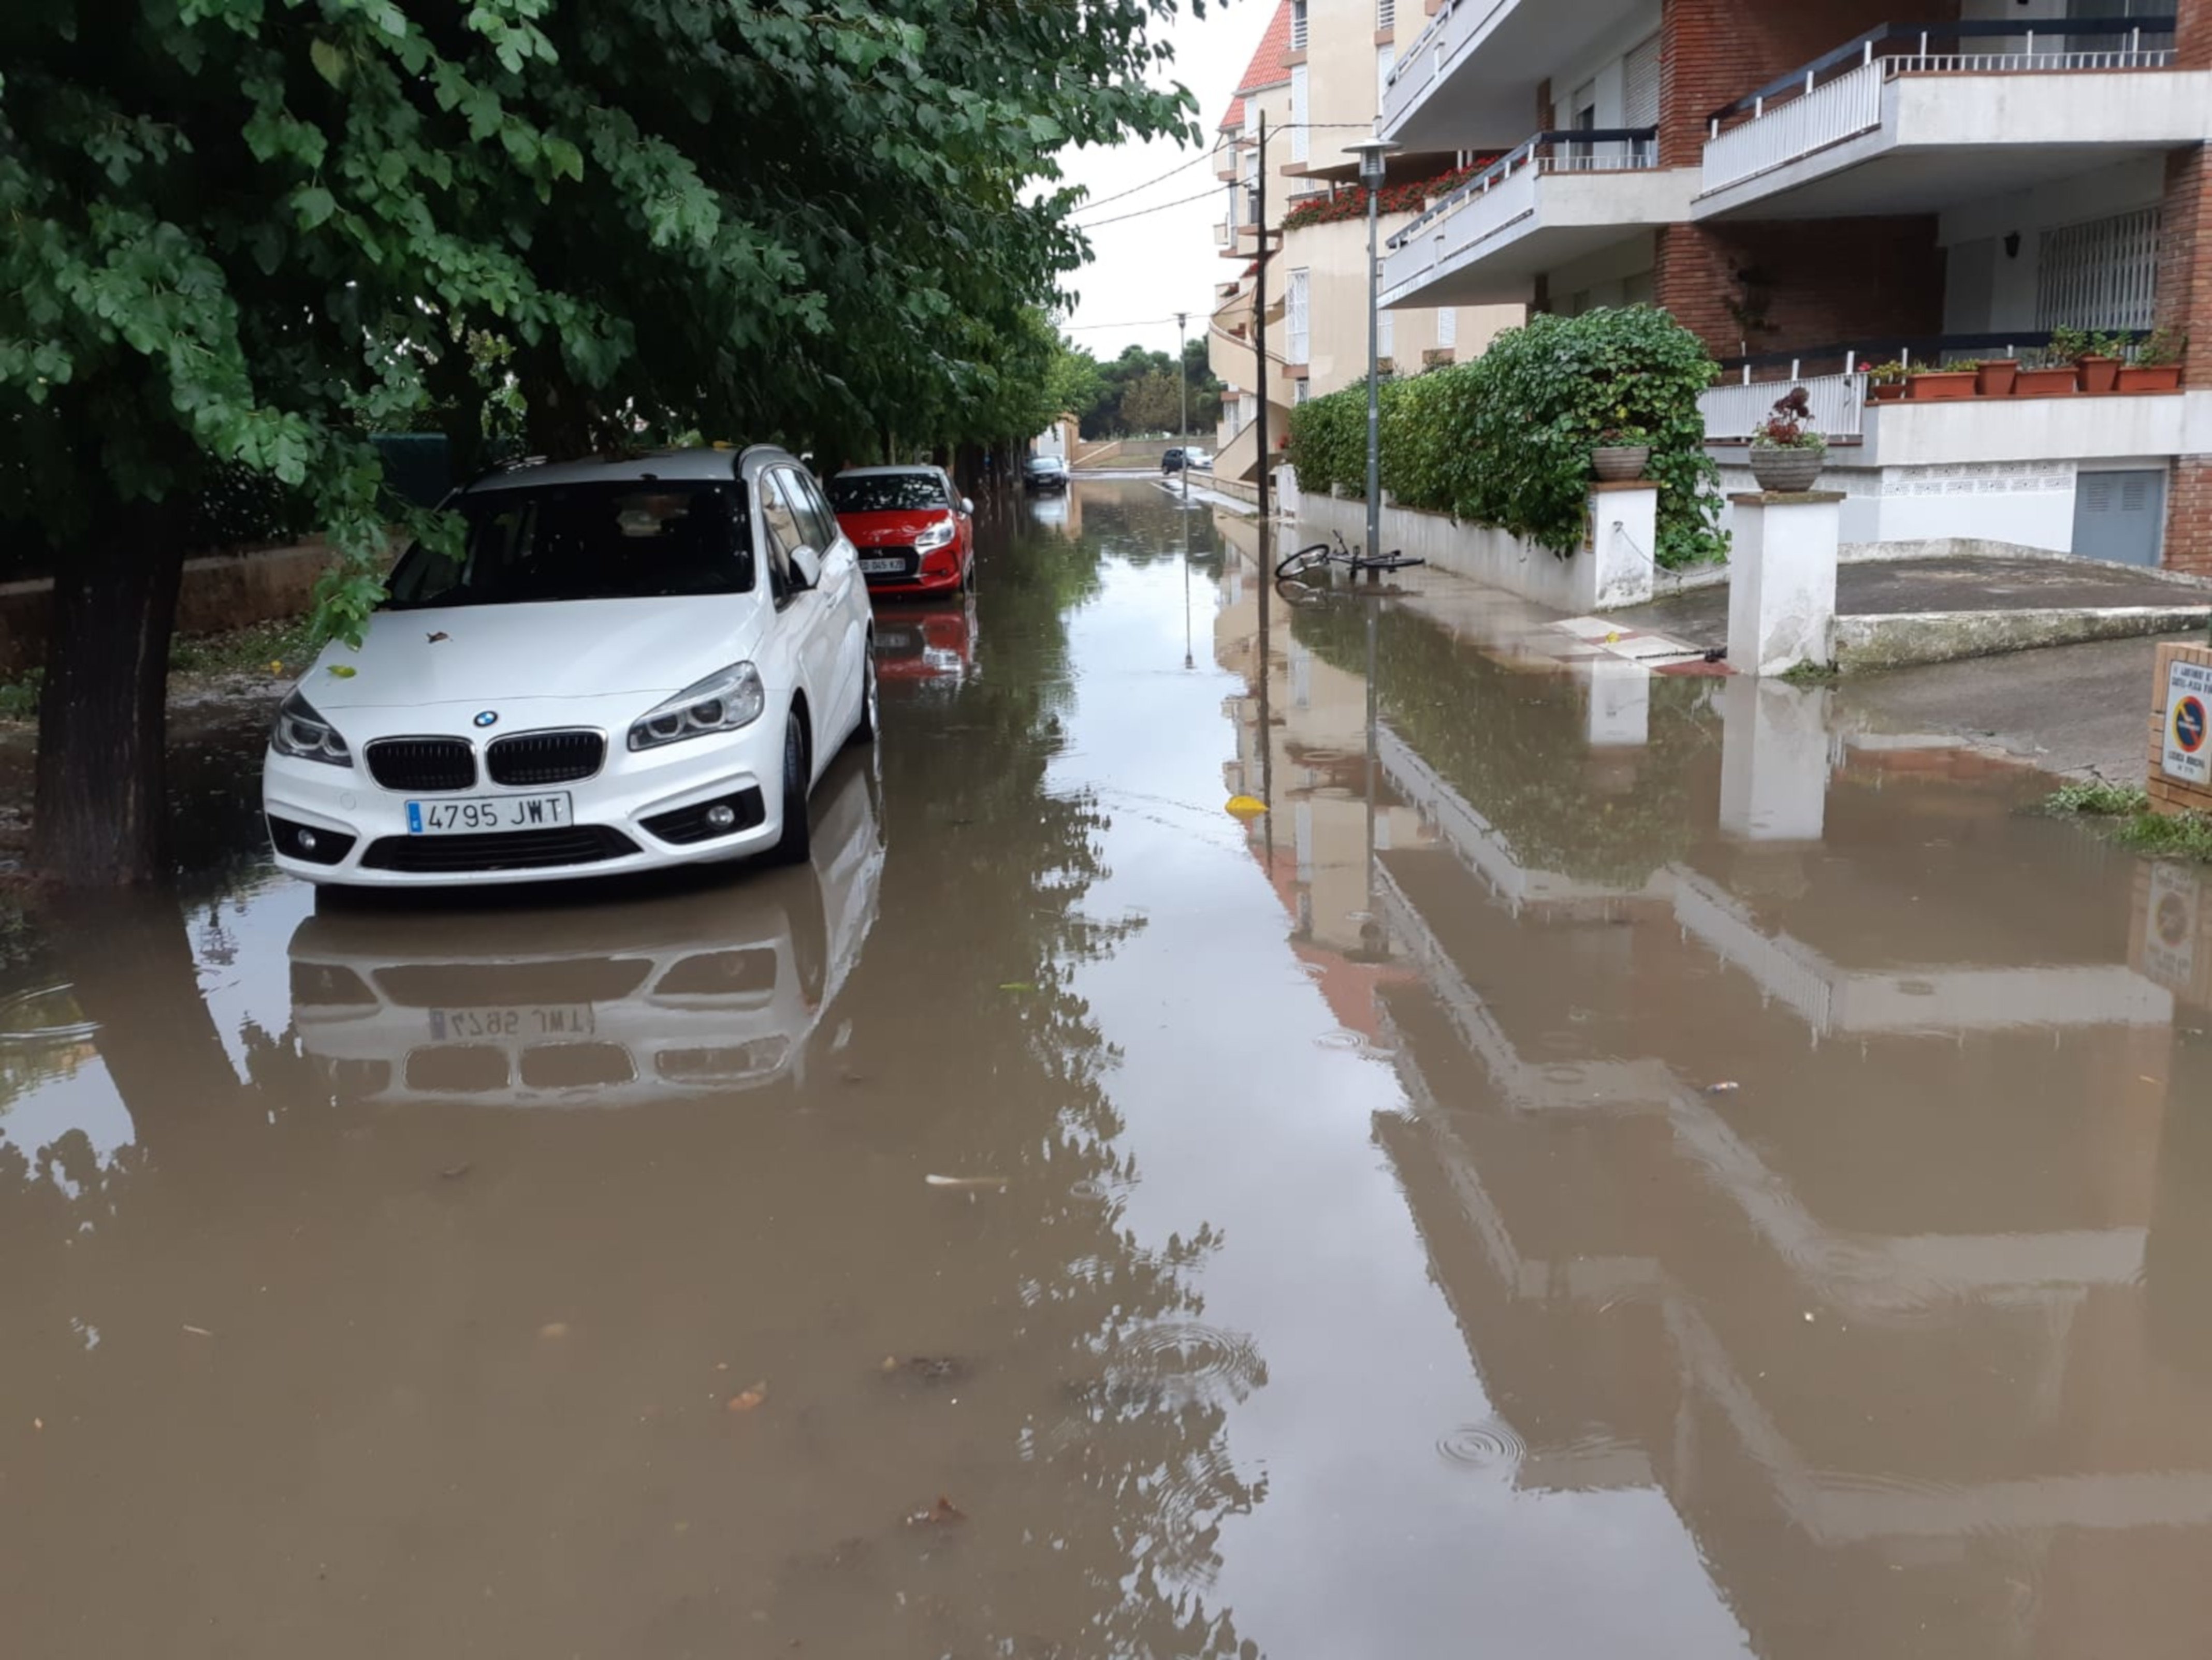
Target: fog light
{"x": 306, "y": 841}
{"x": 721, "y": 815}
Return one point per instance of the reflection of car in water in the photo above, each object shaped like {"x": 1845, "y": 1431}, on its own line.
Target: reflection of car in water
{"x": 934, "y": 643}
{"x": 676, "y": 994}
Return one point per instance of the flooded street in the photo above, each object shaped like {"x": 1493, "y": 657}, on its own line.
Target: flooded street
{"x": 1609, "y": 1163}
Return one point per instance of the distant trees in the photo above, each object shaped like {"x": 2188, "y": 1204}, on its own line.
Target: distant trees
{"x": 1141, "y": 392}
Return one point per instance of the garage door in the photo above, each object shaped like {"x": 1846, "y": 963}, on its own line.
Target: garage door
{"x": 2118, "y": 516}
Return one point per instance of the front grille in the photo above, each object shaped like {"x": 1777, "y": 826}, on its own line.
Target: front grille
{"x": 545, "y": 758}
{"x": 575, "y": 1066}
{"x": 430, "y": 765}
{"x": 530, "y": 849}
{"x": 457, "y": 1069}
{"x": 689, "y": 825}
{"x": 489, "y": 985}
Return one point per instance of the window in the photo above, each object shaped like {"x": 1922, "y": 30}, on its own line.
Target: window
{"x": 2102, "y": 275}
{"x": 1300, "y": 114}
{"x": 1385, "y": 55}
{"x": 780, "y": 521}
{"x": 1386, "y": 14}
{"x": 887, "y": 492}
{"x": 603, "y": 541}
{"x": 1448, "y": 326}
{"x": 1386, "y": 330}
{"x": 1301, "y": 343}
{"x": 815, "y": 519}
{"x": 1297, "y": 25}
{"x": 1300, "y": 391}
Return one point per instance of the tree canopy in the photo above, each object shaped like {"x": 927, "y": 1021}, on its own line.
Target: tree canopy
{"x": 1141, "y": 390}
{"x": 251, "y": 232}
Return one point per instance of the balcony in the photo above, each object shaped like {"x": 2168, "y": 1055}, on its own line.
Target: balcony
{"x": 1469, "y": 79}
{"x": 1558, "y": 196}
{"x": 1914, "y": 118}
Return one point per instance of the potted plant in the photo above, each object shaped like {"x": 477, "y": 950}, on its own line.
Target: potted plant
{"x": 2055, "y": 376}
{"x": 1620, "y": 453}
{"x": 2157, "y": 367}
{"x": 1886, "y": 382}
{"x": 2095, "y": 357}
{"x": 1940, "y": 382}
{"x": 1994, "y": 377}
{"x": 1787, "y": 452}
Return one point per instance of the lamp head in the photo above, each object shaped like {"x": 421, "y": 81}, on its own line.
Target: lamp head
{"x": 1374, "y": 154}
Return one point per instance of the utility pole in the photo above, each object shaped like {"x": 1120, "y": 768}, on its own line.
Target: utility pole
{"x": 1182, "y": 373}
{"x": 1267, "y": 572}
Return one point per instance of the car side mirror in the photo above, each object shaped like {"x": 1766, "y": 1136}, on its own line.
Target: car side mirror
{"x": 966, "y": 505}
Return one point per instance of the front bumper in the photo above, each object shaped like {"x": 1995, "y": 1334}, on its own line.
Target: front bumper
{"x": 359, "y": 828}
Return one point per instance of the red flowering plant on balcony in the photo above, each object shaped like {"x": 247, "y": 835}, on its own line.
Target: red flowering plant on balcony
{"x": 1412, "y": 196}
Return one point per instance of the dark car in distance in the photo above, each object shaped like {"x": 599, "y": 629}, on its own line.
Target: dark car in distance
{"x": 1044, "y": 472}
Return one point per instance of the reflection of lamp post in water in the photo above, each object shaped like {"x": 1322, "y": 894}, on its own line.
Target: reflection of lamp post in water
{"x": 1373, "y": 155}
{"x": 1183, "y": 375}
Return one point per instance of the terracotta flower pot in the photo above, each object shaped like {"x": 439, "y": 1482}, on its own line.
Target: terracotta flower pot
{"x": 2047, "y": 383}
{"x": 1935, "y": 386}
{"x": 1786, "y": 470}
{"x": 2099, "y": 373}
{"x": 1885, "y": 391}
{"x": 2150, "y": 377}
{"x": 1618, "y": 463}
{"x": 1995, "y": 378}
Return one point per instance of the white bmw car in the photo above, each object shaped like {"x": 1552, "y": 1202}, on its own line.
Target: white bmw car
{"x": 632, "y": 664}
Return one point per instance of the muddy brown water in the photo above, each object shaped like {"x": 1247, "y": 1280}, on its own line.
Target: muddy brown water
{"x": 1066, "y": 1221}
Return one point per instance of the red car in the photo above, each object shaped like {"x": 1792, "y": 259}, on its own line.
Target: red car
{"x": 916, "y": 532}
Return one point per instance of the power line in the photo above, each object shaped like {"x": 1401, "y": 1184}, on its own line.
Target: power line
{"x": 1181, "y": 201}
{"x": 1141, "y": 323}
{"x": 1184, "y": 167}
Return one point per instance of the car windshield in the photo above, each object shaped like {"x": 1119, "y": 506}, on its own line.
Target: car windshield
{"x": 888, "y": 492}
{"x": 631, "y": 540}
{"x": 1044, "y": 464}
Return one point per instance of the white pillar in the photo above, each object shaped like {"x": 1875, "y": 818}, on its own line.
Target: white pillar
{"x": 1624, "y": 544}
{"x": 1774, "y": 760}
{"x": 1781, "y": 580}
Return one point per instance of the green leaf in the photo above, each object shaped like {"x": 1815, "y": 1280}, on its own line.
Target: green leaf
{"x": 314, "y": 205}
{"x": 329, "y": 61}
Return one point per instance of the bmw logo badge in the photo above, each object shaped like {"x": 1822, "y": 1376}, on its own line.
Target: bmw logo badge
{"x": 487, "y": 717}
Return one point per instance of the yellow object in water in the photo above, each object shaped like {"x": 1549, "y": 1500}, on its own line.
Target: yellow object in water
{"x": 1246, "y": 806}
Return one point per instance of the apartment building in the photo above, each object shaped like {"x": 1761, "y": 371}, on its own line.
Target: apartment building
{"x": 1819, "y": 184}
{"x": 1318, "y": 76}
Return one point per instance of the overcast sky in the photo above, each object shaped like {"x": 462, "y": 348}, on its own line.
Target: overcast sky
{"x": 1147, "y": 269}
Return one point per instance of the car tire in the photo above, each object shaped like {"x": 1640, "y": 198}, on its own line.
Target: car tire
{"x": 796, "y": 843}
{"x": 866, "y": 728}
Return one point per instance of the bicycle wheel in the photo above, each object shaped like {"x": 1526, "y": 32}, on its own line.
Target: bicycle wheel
{"x": 1305, "y": 559}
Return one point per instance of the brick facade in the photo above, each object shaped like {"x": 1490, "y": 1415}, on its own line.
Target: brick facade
{"x": 1713, "y": 52}
{"x": 2189, "y": 515}
{"x": 1826, "y": 280}
{"x": 2192, "y": 35}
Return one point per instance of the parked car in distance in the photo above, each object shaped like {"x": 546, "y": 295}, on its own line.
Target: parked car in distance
{"x": 1176, "y": 459}
{"x": 914, "y": 531}
{"x": 1171, "y": 459}
{"x": 629, "y": 664}
{"x": 1198, "y": 460}
{"x": 1044, "y": 472}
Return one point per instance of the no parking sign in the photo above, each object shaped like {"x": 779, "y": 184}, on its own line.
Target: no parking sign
{"x": 2187, "y": 755}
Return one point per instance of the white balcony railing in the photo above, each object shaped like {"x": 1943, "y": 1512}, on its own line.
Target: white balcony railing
{"x": 1222, "y": 230}
{"x": 1506, "y": 190}
{"x": 1840, "y": 97}
{"x": 1421, "y": 63}
{"x": 1733, "y": 408}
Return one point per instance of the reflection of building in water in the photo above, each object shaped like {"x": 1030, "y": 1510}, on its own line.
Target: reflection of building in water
{"x": 1331, "y": 804}
{"x": 705, "y": 989}
{"x": 1902, "y": 1318}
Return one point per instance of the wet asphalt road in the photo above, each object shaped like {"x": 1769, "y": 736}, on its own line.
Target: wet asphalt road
{"x": 1596, "y": 1170}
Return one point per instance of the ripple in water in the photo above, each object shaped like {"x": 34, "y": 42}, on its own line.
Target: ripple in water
{"x": 1183, "y": 1360}
{"x": 1341, "y": 1039}
{"x": 47, "y": 1015}
{"x": 1491, "y": 1444}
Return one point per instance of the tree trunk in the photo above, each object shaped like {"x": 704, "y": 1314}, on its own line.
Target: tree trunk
{"x": 101, "y": 818}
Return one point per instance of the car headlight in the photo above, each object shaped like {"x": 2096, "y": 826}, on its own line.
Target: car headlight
{"x": 725, "y": 700}
{"x": 937, "y": 536}
{"x": 302, "y": 733}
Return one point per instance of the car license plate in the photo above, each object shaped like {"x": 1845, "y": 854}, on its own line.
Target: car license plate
{"x": 528, "y": 1020}
{"x": 881, "y": 567}
{"x": 894, "y": 640}
{"x": 475, "y": 816}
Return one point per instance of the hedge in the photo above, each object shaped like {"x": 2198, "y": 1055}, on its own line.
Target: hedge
{"x": 1505, "y": 441}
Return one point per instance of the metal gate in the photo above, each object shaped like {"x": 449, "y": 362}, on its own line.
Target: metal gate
{"x": 2119, "y": 516}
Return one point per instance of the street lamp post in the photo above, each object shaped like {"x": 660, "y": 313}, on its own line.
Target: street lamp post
{"x": 1373, "y": 155}
{"x": 1182, "y": 374}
